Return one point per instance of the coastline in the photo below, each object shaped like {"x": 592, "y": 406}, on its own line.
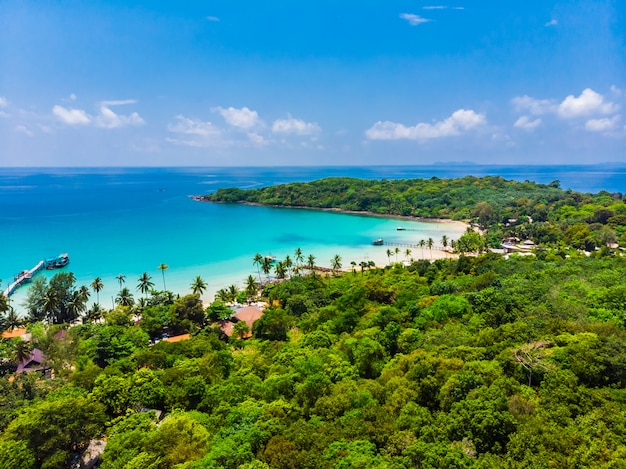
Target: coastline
{"x": 365, "y": 213}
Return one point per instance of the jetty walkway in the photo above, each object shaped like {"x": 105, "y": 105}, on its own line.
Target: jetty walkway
{"x": 22, "y": 278}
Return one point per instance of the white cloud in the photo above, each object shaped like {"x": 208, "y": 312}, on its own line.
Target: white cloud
{"x": 197, "y": 133}
{"x": 294, "y": 126}
{"x": 459, "y": 122}
{"x": 525, "y": 123}
{"x": 534, "y": 106}
{"x": 72, "y": 97}
{"x": 414, "y": 20}
{"x": 458, "y": 8}
{"x": 602, "y": 125}
{"x": 71, "y": 116}
{"x": 434, "y": 7}
{"x": 3, "y": 101}
{"x": 243, "y": 118}
{"x": 25, "y": 130}
{"x": 108, "y": 119}
{"x": 257, "y": 139}
{"x": 212, "y": 18}
{"x": 616, "y": 91}
{"x": 589, "y": 102}
{"x": 552, "y": 22}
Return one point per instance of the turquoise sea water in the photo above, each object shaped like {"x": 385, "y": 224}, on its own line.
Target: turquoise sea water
{"x": 130, "y": 220}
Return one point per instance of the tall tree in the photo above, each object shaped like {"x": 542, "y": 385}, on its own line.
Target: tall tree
{"x": 310, "y": 262}
{"x": 430, "y": 244}
{"x": 299, "y": 257}
{"x": 266, "y": 265}
{"x": 145, "y": 284}
{"x": 198, "y": 286}
{"x": 335, "y": 262}
{"x": 163, "y": 267}
{"x": 252, "y": 288}
{"x": 389, "y": 254}
{"x": 121, "y": 278}
{"x": 422, "y": 243}
{"x": 407, "y": 254}
{"x": 258, "y": 260}
{"x": 97, "y": 286}
{"x": 280, "y": 269}
{"x": 124, "y": 297}
{"x": 396, "y": 251}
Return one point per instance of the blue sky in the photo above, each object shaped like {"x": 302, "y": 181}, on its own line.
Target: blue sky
{"x": 154, "y": 83}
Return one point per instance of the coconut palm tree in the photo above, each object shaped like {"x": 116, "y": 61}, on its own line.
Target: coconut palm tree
{"x": 222, "y": 295}
{"x": 266, "y": 265}
{"x": 335, "y": 262}
{"x": 97, "y": 286}
{"x": 252, "y": 287}
{"x": 389, "y": 254}
{"x": 299, "y": 257}
{"x": 407, "y": 254}
{"x": 396, "y": 251}
{"x": 430, "y": 244}
{"x": 422, "y": 243}
{"x": 233, "y": 291}
{"x": 198, "y": 286}
{"x": 258, "y": 260}
{"x": 288, "y": 262}
{"x": 94, "y": 313}
{"x": 11, "y": 320}
{"x": 124, "y": 297}
{"x": 444, "y": 241}
{"x": 163, "y": 268}
{"x": 280, "y": 269}
{"x": 121, "y": 278}
{"x": 353, "y": 264}
{"x": 310, "y": 262}
{"x": 145, "y": 283}
{"x": 21, "y": 350}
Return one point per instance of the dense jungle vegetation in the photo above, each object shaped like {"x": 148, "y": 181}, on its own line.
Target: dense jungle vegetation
{"x": 478, "y": 361}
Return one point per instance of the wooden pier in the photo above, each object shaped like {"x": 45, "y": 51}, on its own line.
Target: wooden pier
{"x": 23, "y": 277}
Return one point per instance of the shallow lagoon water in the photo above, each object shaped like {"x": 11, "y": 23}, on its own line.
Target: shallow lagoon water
{"x": 130, "y": 220}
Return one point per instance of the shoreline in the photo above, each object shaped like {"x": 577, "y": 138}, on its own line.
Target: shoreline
{"x": 202, "y": 198}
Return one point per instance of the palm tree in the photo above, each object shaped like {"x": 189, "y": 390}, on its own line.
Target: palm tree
{"x": 252, "y": 287}
{"x": 97, "y": 286}
{"x": 397, "y": 251}
{"x": 444, "y": 241}
{"x": 124, "y": 297}
{"x": 12, "y": 320}
{"x": 310, "y": 262}
{"x": 280, "y": 269}
{"x": 121, "y": 279}
{"x": 198, "y": 286}
{"x": 353, "y": 264}
{"x": 288, "y": 262}
{"x": 163, "y": 268}
{"x": 21, "y": 350}
{"x": 145, "y": 283}
{"x": 389, "y": 254}
{"x": 299, "y": 257}
{"x": 266, "y": 265}
{"x": 258, "y": 260}
{"x": 422, "y": 243}
{"x": 335, "y": 262}
{"x": 430, "y": 244}
{"x": 407, "y": 253}
{"x": 94, "y": 313}
{"x": 233, "y": 291}
{"x": 222, "y": 295}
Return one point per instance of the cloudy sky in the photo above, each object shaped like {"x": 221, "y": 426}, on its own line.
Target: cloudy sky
{"x": 233, "y": 82}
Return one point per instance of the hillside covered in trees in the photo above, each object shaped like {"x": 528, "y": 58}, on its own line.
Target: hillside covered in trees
{"x": 545, "y": 214}
{"x": 475, "y": 362}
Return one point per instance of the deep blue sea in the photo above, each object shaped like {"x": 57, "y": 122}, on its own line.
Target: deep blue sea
{"x": 130, "y": 220}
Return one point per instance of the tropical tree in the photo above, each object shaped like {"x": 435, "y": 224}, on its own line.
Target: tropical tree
{"x": 258, "y": 260}
{"x": 222, "y": 295}
{"x": 389, "y": 254}
{"x": 198, "y": 286}
{"x": 353, "y": 264}
{"x": 163, "y": 268}
{"x": 121, "y": 278}
{"x": 233, "y": 291}
{"x": 299, "y": 257}
{"x": 266, "y": 265}
{"x": 430, "y": 244}
{"x": 97, "y": 286}
{"x": 407, "y": 254}
{"x": 288, "y": 262}
{"x": 422, "y": 243}
{"x": 21, "y": 350}
{"x": 124, "y": 297}
{"x": 280, "y": 269}
{"x": 396, "y": 251}
{"x": 94, "y": 313}
{"x": 335, "y": 262}
{"x": 11, "y": 320}
{"x": 310, "y": 262}
{"x": 145, "y": 284}
{"x": 252, "y": 287}
{"x": 444, "y": 241}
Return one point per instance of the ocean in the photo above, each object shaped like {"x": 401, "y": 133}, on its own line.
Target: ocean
{"x": 128, "y": 221}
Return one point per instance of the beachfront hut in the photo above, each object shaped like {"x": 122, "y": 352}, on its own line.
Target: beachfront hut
{"x": 177, "y": 338}
{"x": 249, "y": 315}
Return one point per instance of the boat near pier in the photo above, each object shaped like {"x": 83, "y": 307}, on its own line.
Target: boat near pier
{"x": 26, "y": 276}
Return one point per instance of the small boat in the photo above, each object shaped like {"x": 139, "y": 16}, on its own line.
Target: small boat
{"x": 57, "y": 262}
{"x": 400, "y": 228}
{"x": 24, "y": 276}
{"x": 378, "y": 242}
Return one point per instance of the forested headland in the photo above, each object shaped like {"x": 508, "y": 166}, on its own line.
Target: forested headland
{"x": 478, "y": 361}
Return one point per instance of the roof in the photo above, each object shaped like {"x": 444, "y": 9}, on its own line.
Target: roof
{"x": 14, "y": 333}
{"x": 177, "y": 338}
{"x": 36, "y": 358}
{"x": 249, "y": 315}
